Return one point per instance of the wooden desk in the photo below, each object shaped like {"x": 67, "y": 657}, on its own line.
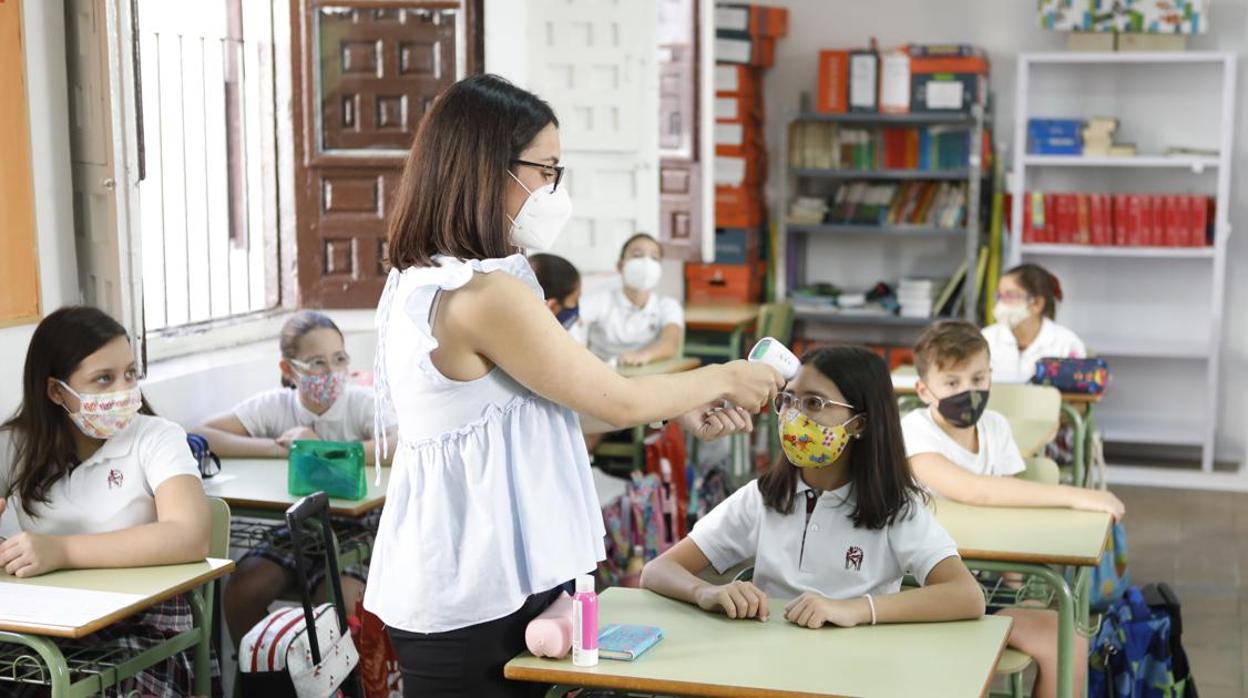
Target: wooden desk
{"x": 152, "y": 584}
{"x": 731, "y": 319}
{"x": 706, "y": 654}
{"x": 136, "y": 589}
{"x": 257, "y": 487}
{"x": 1030, "y": 540}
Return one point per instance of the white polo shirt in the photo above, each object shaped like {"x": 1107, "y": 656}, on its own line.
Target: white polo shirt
{"x": 998, "y": 453}
{"x": 113, "y": 489}
{"x": 1009, "y": 365}
{"x": 614, "y": 325}
{"x": 826, "y": 555}
{"x": 275, "y": 412}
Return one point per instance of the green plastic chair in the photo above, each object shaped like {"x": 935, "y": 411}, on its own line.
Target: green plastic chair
{"x": 1034, "y": 413}
{"x": 774, "y": 320}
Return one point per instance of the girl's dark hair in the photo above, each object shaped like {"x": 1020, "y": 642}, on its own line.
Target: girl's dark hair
{"x": 40, "y": 430}
{"x": 296, "y": 328}
{"x": 1040, "y": 283}
{"x": 883, "y": 486}
{"x": 558, "y": 278}
{"x": 639, "y": 236}
{"x": 450, "y": 200}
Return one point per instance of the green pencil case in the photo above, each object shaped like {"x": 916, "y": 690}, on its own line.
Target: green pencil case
{"x": 333, "y": 467}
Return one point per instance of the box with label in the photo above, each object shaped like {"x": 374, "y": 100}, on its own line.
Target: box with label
{"x": 738, "y": 207}
{"x": 734, "y": 109}
{"x": 742, "y": 81}
{"x": 752, "y": 19}
{"x": 1138, "y": 16}
{"x": 724, "y": 283}
{"x": 745, "y": 49}
{"x": 738, "y": 140}
{"x": 740, "y": 171}
{"x": 833, "y": 92}
{"x": 946, "y": 92}
{"x": 737, "y": 245}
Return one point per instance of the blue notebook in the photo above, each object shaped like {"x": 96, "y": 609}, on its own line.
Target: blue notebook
{"x": 627, "y": 642}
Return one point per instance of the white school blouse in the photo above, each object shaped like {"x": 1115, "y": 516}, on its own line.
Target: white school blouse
{"x": 112, "y": 490}
{"x": 1009, "y": 365}
{"x": 614, "y": 325}
{"x": 275, "y": 412}
{"x": 824, "y": 554}
{"x": 490, "y": 497}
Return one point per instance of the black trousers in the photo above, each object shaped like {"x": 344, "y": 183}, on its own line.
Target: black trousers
{"x": 469, "y": 661}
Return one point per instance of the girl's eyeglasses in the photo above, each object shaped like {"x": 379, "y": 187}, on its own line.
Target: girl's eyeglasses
{"x": 548, "y": 170}
{"x": 810, "y": 404}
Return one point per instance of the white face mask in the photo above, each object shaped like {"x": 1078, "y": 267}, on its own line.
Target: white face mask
{"x": 104, "y": 415}
{"x": 1011, "y": 314}
{"x": 642, "y": 273}
{"x": 541, "y": 219}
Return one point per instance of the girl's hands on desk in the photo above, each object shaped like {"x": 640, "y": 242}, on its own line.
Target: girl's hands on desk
{"x": 735, "y": 599}
{"x": 752, "y": 385}
{"x": 811, "y": 610}
{"x": 32, "y": 554}
{"x": 297, "y": 434}
{"x": 1099, "y": 500}
{"x": 634, "y": 358}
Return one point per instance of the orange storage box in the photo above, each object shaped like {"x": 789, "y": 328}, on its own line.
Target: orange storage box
{"x": 738, "y": 207}
{"x": 724, "y": 283}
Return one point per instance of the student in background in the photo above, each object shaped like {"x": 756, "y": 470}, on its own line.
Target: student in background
{"x": 316, "y": 402}
{"x": 835, "y": 524}
{"x": 561, "y": 284}
{"x": 964, "y": 452}
{"x": 96, "y": 481}
{"x": 631, "y": 323}
{"x": 1025, "y": 330}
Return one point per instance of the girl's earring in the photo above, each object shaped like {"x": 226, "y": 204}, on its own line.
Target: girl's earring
{"x": 858, "y": 436}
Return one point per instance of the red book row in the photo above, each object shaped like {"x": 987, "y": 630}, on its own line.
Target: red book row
{"x": 1126, "y": 220}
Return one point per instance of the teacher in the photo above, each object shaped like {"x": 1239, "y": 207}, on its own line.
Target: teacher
{"x": 491, "y": 504}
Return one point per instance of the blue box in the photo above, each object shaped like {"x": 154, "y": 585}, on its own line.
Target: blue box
{"x": 1054, "y": 136}
{"x": 736, "y": 245}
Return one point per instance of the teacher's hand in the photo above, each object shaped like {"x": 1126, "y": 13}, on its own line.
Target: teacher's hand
{"x": 752, "y": 385}
{"x": 714, "y": 421}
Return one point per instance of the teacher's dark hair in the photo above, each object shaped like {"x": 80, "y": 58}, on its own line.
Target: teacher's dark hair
{"x": 450, "y": 200}
{"x": 40, "y": 431}
{"x": 884, "y": 487}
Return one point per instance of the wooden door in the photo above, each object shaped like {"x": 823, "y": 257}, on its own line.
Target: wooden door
{"x": 365, "y": 73}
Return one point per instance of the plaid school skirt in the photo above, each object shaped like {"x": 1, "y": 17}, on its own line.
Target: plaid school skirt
{"x": 172, "y": 678}
{"x": 363, "y": 529}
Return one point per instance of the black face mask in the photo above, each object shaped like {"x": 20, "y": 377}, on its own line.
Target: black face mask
{"x": 964, "y": 409}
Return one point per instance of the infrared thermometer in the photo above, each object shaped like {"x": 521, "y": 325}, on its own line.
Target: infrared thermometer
{"x": 772, "y": 352}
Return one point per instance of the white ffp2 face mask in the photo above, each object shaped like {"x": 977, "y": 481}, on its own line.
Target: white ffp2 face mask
{"x": 541, "y": 219}
{"x": 642, "y": 273}
{"x": 1011, "y": 314}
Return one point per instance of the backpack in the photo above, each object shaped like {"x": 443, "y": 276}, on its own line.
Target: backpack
{"x": 1130, "y": 656}
{"x": 1110, "y": 577}
{"x": 1087, "y": 376}
{"x": 209, "y": 463}
{"x": 634, "y": 520}
{"x": 708, "y": 490}
{"x": 1161, "y": 598}
{"x": 666, "y": 458}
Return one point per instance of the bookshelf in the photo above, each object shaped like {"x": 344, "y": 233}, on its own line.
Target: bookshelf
{"x": 1155, "y": 312}
{"x": 795, "y": 238}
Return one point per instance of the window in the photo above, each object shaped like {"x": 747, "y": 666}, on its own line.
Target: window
{"x": 208, "y": 199}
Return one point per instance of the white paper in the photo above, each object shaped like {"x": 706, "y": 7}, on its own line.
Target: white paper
{"x": 732, "y": 50}
{"x": 726, "y": 78}
{"x": 733, "y": 18}
{"x": 729, "y": 134}
{"x": 895, "y": 82}
{"x": 726, "y": 108}
{"x": 39, "y": 605}
{"x": 862, "y": 80}
{"x": 944, "y": 95}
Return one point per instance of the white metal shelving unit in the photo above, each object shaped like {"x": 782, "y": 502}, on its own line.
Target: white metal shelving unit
{"x": 1167, "y": 356}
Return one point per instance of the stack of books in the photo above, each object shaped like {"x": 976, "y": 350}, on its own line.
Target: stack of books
{"x": 927, "y": 204}
{"x": 917, "y": 296}
{"x": 819, "y": 145}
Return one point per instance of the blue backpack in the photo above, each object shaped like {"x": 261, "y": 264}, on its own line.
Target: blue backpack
{"x": 1110, "y": 578}
{"x": 1131, "y": 656}
{"x": 207, "y": 461}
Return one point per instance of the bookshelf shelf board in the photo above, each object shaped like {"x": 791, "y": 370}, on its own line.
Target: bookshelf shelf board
{"x": 917, "y": 231}
{"x": 839, "y": 317}
{"x": 1194, "y": 163}
{"x": 1047, "y": 250}
{"x": 1081, "y": 57}
{"x": 875, "y": 118}
{"x": 1139, "y": 348}
{"x": 943, "y": 175}
{"x": 1132, "y": 430}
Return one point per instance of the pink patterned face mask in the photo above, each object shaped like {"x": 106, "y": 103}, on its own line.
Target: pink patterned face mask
{"x": 320, "y": 391}
{"x": 104, "y": 415}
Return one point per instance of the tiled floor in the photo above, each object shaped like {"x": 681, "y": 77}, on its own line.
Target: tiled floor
{"x": 1198, "y": 542}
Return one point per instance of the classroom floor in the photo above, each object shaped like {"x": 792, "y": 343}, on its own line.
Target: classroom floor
{"x": 1198, "y": 542}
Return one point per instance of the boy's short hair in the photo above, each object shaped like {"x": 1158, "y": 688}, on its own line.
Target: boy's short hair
{"x": 946, "y": 344}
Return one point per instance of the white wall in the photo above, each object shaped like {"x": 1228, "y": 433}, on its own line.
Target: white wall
{"x": 1005, "y": 28}
{"x": 43, "y": 27}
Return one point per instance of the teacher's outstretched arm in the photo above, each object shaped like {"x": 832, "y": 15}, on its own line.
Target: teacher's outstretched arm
{"x": 496, "y": 316}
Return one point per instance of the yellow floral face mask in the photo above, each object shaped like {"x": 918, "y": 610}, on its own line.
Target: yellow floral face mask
{"x": 809, "y": 444}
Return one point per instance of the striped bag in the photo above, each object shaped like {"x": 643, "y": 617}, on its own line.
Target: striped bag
{"x": 276, "y": 657}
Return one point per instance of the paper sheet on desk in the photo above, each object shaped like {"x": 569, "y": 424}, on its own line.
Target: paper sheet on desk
{"x": 29, "y": 604}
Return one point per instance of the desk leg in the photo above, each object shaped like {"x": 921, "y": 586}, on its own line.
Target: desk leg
{"x": 203, "y": 646}
{"x": 53, "y": 659}
{"x": 639, "y": 448}
{"x": 1080, "y": 451}
{"x": 1065, "y": 615}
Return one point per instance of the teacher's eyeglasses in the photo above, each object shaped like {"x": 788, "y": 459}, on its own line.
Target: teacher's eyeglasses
{"x": 555, "y": 171}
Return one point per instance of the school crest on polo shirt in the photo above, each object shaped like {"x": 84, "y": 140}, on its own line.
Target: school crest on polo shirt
{"x": 853, "y": 558}
{"x": 115, "y": 479}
